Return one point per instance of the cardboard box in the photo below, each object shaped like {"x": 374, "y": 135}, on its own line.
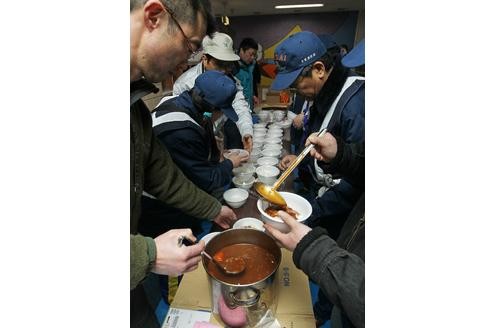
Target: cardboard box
{"x": 271, "y": 100}
{"x": 294, "y": 310}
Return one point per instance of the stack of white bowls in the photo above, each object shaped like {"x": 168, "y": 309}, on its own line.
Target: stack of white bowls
{"x": 272, "y": 142}
{"x": 265, "y": 116}
{"x": 244, "y": 176}
{"x": 267, "y": 150}
{"x": 278, "y": 115}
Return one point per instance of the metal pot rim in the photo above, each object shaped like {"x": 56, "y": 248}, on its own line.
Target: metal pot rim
{"x": 243, "y": 233}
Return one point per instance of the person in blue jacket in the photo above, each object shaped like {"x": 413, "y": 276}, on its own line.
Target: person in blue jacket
{"x": 244, "y": 70}
{"x": 181, "y": 125}
{"x": 315, "y": 71}
{"x": 338, "y": 96}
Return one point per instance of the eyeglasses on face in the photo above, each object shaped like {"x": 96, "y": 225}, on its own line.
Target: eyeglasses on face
{"x": 190, "y": 47}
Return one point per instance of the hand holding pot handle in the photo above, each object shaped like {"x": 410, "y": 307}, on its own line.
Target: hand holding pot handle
{"x": 172, "y": 259}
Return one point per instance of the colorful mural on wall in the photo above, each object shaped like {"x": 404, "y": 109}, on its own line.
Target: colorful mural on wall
{"x": 271, "y": 30}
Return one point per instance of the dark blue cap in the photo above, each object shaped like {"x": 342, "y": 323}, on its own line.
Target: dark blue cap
{"x": 293, "y": 54}
{"x": 328, "y": 40}
{"x": 355, "y": 57}
{"x": 218, "y": 90}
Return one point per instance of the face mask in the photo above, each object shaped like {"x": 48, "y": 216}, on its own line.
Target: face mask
{"x": 207, "y": 114}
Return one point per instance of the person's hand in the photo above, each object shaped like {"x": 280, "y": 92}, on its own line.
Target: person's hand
{"x": 298, "y": 121}
{"x": 256, "y": 101}
{"x": 172, "y": 259}
{"x": 293, "y": 237}
{"x": 286, "y": 162}
{"x": 325, "y": 146}
{"x": 225, "y": 218}
{"x": 238, "y": 159}
{"x": 247, "y": 142}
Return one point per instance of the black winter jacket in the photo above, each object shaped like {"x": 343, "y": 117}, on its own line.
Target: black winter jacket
{"x": 338, "y": 267}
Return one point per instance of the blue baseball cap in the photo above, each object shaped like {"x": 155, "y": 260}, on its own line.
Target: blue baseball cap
{"x": 355, "y": 57}
{"x": 293, "y": 54}
{"x": 218, "y": 90}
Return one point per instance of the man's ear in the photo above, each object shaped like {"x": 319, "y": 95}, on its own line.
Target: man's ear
{"x": 319, "y": 68}
{"x": 153, "y": 14}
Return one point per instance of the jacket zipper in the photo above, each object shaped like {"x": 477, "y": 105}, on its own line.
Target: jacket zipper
{"x": 354, "y": 233}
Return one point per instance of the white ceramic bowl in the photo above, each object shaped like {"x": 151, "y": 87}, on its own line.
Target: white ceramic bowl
{"x": 206, "y": 238}
{"x": 285, "y": 124}
{"x": 244, "y": 168}
{"x": 258, "y": 140}
{"x": 267, "y": 161}
{"x": 249, "y": 223}
{"x": 264, "y": 116}
{"x": 294, "y": 201}
{"x": 271, "y": 153}
{"x": 275, "y": 127}
{"x": 258, "y": 150}
{"x": 255, "y": 154}
{"x": 230, "y": 152}
{"x": 246, "y": 185}
{"x": 278, "y": 115}
{"x": 274, "y": 134}
{"x": 267, "y": 174}
{"x": 235, "y": 197}
{"x": 272, "y": 146}
{"x": 273, "y": 140}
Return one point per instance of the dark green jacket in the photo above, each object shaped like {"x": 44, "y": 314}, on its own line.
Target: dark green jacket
{"x": 153, "y": 170}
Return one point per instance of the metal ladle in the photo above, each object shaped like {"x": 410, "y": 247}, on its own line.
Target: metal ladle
{"x": 231, "y": 265}
{"x": 270, "y": 193}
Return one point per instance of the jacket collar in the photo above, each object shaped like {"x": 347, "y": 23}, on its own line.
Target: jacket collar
{"x": 141, "y": 88}
{"x": 184, "y": 101}
{"x": 331, "y": 89}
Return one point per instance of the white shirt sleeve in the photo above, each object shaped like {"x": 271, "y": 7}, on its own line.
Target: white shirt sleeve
{"x": 241, "y": 107}
{"x": 185, "y": 82}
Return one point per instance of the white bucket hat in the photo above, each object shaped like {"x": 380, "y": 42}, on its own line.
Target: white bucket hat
{"x": 220, "y": 47}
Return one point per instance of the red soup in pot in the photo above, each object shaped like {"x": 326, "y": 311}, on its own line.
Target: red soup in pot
{"x": 260, "y": 263}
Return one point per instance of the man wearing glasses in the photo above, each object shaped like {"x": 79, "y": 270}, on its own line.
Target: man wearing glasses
{"x": 163, "y": 35}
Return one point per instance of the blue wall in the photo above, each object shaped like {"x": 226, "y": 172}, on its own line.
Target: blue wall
{"x": 269, "y": 29}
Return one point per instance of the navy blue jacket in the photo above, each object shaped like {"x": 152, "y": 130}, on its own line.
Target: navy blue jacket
{"x": 187, "y": 144}
{"x": 350, "y": 125}
{"x": 334, "y": 206}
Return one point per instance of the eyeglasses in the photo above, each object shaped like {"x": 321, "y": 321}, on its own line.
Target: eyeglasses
{"x": 189, "y": 45}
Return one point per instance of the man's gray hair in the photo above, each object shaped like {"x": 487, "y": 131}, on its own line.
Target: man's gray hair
{"x": 185, "y": 11}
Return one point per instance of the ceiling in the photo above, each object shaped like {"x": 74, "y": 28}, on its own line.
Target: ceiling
{"x": 266, "y": 7}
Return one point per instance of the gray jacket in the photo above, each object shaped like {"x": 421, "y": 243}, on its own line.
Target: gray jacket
{"x": 338, "y": 266}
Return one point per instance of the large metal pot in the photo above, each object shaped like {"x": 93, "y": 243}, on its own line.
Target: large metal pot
{"x": 243, "y": 305}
